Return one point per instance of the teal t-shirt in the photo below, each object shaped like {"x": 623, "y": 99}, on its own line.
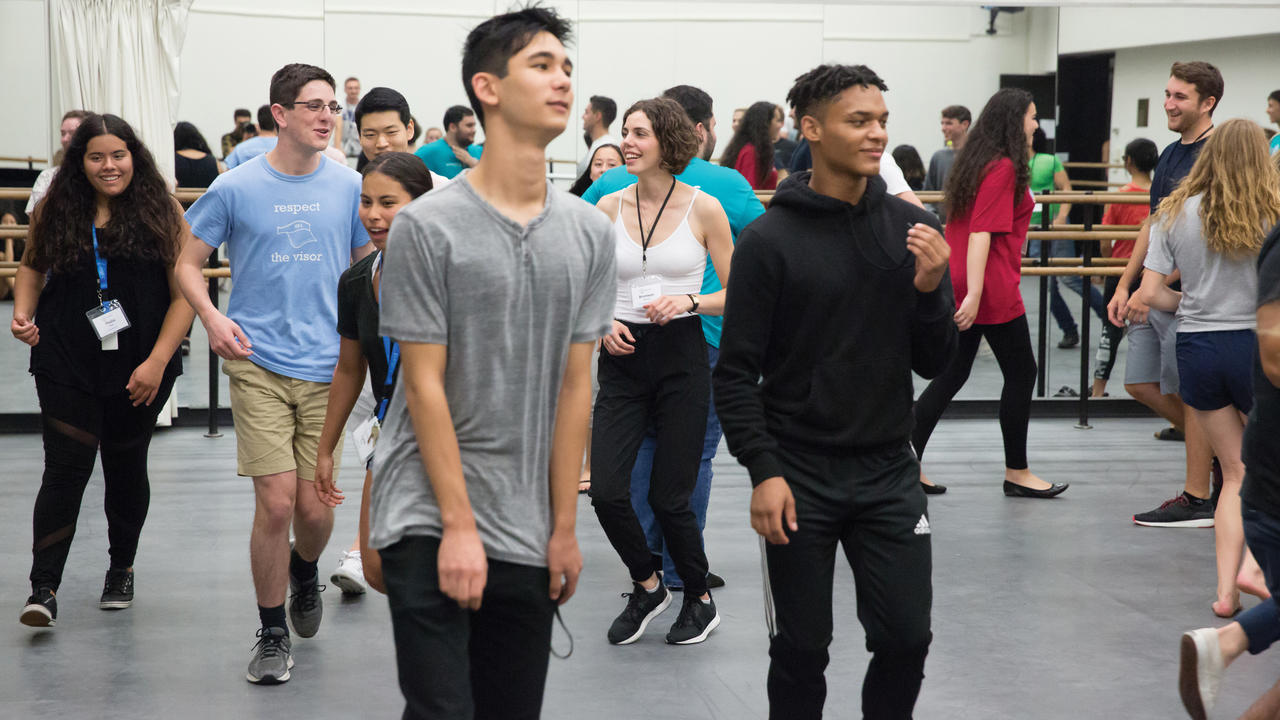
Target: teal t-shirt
{"x": 1043, "y": 167}
{"x": 440, "y": 159}
{"x": 1275, "y": 144}
{"x": 722, "y": 183}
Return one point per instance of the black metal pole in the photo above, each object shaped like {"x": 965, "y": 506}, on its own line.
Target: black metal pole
{"x": 214, "y": 262}
{"x": 1086, "y": 290}
{"x": 1043, "y": 344}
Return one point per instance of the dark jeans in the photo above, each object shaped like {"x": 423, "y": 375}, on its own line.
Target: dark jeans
{"x": 666, "y": 383}
{"x": 873, "y": 506}
{"x": 77, "y": 426}
{"x": 457, "y": 664}
{"x": 1011, "y": 343}
{"x": 1261, "y": 622}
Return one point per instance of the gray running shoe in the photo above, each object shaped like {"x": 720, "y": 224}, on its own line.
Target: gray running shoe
{"x": 272, "y": 657}
{"x": 305, "y": 606}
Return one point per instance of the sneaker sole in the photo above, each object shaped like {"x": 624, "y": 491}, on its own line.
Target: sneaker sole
{"x": 114, "y": 604}
{"x": 715, "y": 623}
{"x": 1205, "y": 523}
{"x": 271, "y": 679}
{"x": 347, "y": 583}
{"x": 666, "y": 603}
{"x": 1188, "y": 680}
{"x": 36, "y": 616}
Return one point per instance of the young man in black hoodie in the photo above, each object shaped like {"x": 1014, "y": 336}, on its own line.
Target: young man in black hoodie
{"x": 838, "y": 292}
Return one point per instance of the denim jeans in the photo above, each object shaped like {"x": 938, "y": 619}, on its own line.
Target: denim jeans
{"x": 1261, "y": 623}
{"x": 701, "y": 491}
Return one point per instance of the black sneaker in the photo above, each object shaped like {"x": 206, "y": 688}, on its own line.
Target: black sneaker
{"x": 305, "y": 606}
{"x": 642, "y": 606}
{"x": 697, "y": 620}
{"x": 1069, "y": 340}
{"x": 272, "y": 657}
{"x": 117, "y": 592}
{"x": 41, "y": 609}
{"x": 714, "y": 581}
{"x": 1183, "y": 511}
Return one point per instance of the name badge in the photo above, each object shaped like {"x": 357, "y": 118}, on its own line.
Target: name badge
{"x": 108, "y": 319}
{"x": 366, "y": 436}
{"x": 645, "y": 290}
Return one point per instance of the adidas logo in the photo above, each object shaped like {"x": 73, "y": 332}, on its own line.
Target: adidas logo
{"x": 922, "y": 527}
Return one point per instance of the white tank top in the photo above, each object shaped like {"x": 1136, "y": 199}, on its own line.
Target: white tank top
{"x": 680, "y": 260}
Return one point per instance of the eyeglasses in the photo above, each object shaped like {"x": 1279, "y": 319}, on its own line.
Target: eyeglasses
{"x": 316, "y": 106}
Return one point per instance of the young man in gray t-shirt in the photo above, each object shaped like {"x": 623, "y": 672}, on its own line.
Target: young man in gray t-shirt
{"x": 496, "y": 288}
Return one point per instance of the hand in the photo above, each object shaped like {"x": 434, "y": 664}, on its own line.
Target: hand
{"x": 1136, "y": 309}
{"x": 463, "y": 156}
{"x": 1115, "y": 308}
{"x": 145, "y": 382}
{"x": 772, "y": 506}
{"x": 226, "y": 338}
{"x": 666, "y": 307}
{"x": 25, "y": 330}
{"x": 967, "y": 312}
{"x": 463, "y": 566}
{"x": 564, "y": 562}
{"x": 932, "y": 253}
{"x": 620, "y": 341}
{"x": 326, "y": 489}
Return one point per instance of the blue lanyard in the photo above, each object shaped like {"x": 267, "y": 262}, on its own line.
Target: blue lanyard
{"x": 102, "y": 268}
{"x": 392, "y": 349}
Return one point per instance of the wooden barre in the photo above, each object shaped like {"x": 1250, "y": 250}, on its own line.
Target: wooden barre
{"x": 1074, "y": 262}
{"x": 1074, "y": 271}
{"x": 1081, "y": 235}
{"x": 1100, "y": 198}
{"x": 7, "y": 271}
{"x": 27, "y": 160}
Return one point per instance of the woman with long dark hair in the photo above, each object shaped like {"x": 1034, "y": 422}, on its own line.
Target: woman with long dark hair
{"x": 605, "y": 158}
{"x": 989, "y": 210}
{"x": 750, "y": 151}
{"x": 97, "y": 301}
{"x": 194, "y": 165}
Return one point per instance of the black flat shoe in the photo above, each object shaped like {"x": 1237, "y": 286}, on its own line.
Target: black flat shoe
{"x": 933, "y": 489}
{"x": 1013, "y": 490}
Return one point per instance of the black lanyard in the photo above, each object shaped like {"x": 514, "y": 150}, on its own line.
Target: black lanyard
{"x": 644, "y": 241}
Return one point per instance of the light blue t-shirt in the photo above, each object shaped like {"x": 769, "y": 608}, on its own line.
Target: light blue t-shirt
{"x": 250, "y": 149}
{"x": 722, "y": 183}
{"x": 289, "y": 238}
{"x": 440, "y": 159}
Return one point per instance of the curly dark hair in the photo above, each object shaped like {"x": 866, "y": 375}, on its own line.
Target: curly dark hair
{"x": 997, "y": 133}
{"x": 814, "y": 89}
{"x": 676, "y": 135}
{"x": 753, "y": 130}
{"x": 145, "y": 222}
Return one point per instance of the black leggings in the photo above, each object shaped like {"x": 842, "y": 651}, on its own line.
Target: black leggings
{"x": 1109, "y": 343}
{"x": 1011, "y": 343}
{"x": 76, "y": 425}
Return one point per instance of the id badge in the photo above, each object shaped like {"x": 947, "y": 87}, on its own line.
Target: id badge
{"x": 107, "y": 319}
{"x": 366, "y": 436}
{"x": 645, "y": 290}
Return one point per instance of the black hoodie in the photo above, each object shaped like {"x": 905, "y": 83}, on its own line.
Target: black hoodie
{"x": 823, "y": 327}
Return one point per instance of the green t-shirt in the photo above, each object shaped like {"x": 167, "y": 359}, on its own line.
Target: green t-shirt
{"x": 1043, "y": 167}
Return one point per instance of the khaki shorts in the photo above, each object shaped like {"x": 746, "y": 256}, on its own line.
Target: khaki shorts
{"x": 278, "y": 421}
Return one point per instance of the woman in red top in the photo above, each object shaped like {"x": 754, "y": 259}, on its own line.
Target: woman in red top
{"x": 750, "y": 151}
{"x": 989, "y": 209}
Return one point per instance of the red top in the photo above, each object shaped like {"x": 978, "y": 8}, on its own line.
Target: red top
{"x": 746, "y": 164}
{"x": 1126, "y": 215}
{"x": 997, "y": 211}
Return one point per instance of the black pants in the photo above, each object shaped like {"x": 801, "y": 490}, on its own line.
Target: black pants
{"x": 1109, "y": 343}
{"x": 666, "y": 383}
{"x": 76, "y": 426}
{"x": 1011, "y": 343}
{"x": 456, "y": 664}
{"x": 873, "y": 506}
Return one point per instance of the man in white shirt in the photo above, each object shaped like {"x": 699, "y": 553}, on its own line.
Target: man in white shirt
{"x": 596, "y": 120}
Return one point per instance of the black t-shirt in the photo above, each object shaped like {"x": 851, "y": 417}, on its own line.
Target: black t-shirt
{"x": 358, "y": 320}
{"x": 1261, "y": 448}
{"x": 1175, "y": 162}
{"x": 195, "y": 173}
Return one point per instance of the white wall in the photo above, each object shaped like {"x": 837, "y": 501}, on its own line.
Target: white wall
{"x": 1097, "y": 29}
{"x": 24, "y": 57}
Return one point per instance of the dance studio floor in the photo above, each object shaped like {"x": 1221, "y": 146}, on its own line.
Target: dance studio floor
{"x": 1042, "y": 609}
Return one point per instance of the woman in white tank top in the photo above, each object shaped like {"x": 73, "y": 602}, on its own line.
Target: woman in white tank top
{"x": 653, "y": 370}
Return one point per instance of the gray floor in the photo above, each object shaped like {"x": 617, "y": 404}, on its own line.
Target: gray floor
{"x": 1058, "y": 609}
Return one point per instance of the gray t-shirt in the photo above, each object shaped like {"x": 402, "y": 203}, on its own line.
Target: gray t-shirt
{"x": 507, "y": 301}
{"x": 1219, "y": 292}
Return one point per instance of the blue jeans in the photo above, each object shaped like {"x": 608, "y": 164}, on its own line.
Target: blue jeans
{"x": 1261, "y": 623}
{"x": 701, "y": 491}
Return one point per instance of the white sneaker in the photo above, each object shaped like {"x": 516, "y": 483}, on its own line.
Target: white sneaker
{"x": 1200, "y": 671}
{"x": 350, "y": 574}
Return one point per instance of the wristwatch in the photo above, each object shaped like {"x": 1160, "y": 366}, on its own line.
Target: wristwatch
{"x": 693, "y": 299}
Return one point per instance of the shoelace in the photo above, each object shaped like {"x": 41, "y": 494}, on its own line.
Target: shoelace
{"x": 306, "y": 599}
{"x": 1180, "y": 500}
{"x": 272, "y": 644}
{"x": 118, "y": 584}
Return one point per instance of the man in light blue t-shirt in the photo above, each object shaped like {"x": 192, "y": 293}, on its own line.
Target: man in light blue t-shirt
{"x": 742, "y": 206}
{"x": 456, "y": 151}
{"x": 264, "y": 141}
{"x": 290, "y": 221}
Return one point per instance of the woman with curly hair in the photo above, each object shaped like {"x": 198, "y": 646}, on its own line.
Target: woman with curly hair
{"x": 1211, "y": 229}
{"x": 653, "y": 367}
{"x": 989, "y": 210}
{"x": 750, "y": 151}
{"x": 97, "y": 302}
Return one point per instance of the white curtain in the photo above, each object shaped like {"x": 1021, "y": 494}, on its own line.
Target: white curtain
{"x": 121, "y": 57}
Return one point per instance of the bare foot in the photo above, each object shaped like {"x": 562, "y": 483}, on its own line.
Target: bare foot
{"x": 1227, "y": 606}
{"x": 1252, "y": 581}
{"x": 1026, "y": 479}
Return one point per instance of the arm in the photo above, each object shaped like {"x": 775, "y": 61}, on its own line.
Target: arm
{"x": 225, "y": 337}
{"x": 1061, "y": 184}
{"x": 462, "y": 563}
{"x": 934, "y": 337}
{"x": 975, "y": 272}
{"x": 26, "y": 294}
{"x": 348, "y": 381}
{"x": 1269, "y": 341}
{"x": 1116, "y": 309}
{"x": 569, "y": 441}
{"x": 145, "y": 380}
{"x": 1155, "y": 293}
{"x": 712, "y": 227}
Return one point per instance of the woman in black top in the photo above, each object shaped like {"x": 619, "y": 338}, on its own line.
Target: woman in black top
{"x": 391, "y": 181}
{"x": 101, "y": 249}
{"x": 193, "y": 164}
